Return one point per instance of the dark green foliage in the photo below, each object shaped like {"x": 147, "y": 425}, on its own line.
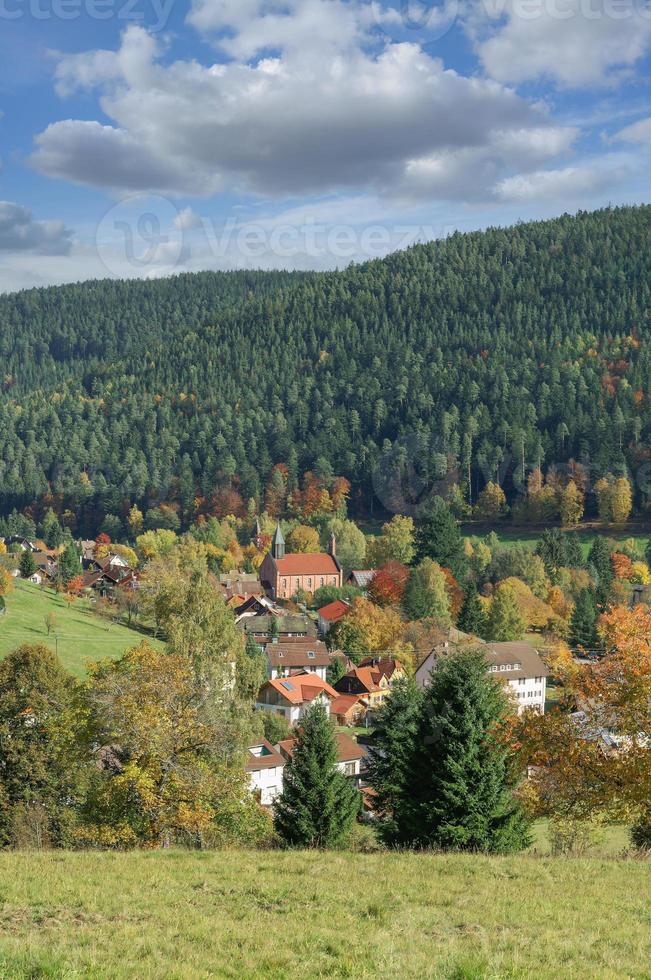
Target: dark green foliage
{"x": 27, "y": 564}
{"x": 474, "y": 348}
{"x": 551, "y": 549}
{"x": 583, "y": 625}
{"x": 599, "y": 564}
{"x": 573, "y": 554}
{"x": 389, "y": 766}
{"x": 336, "y": 670}
{"x": 463, "y": 774}
{"x": 471, "y": 615}
{"x": 641, "y": 833}
{"x": 252, "y": 670}
{"x": 69, "y": 565}
{"x": 328, "y": 593}
{"x": 51, "y": 530}
{"x": 438, "y": 537}
{"x": 41, "y": 750}
{"x": 318, "y": 804}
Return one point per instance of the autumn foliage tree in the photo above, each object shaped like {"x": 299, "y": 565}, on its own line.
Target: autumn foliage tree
{"x": 387, "y": 586}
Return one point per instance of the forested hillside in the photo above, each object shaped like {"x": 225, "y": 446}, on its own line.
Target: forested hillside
{"x": 511, "y": 348}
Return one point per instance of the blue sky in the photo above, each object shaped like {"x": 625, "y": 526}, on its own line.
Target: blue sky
{"x": 147, "y": 137}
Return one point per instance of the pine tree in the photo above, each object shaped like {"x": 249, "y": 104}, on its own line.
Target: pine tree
{"x": 69, "y": 564}
{"x": 27, "y": 565}
{"x": 504, "y": 621}
{"x": 583, "y": 624}
{"x": 389, "y": 764}
{"x": 318, "y": 804}
{"x": 437, "y": 536}
{"x": 599, "y": 560}
{"x": 471, "y": 615}
{"x": 463, "y": 775}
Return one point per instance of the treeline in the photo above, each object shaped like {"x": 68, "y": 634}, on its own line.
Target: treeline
{"x": 476, "y": 359}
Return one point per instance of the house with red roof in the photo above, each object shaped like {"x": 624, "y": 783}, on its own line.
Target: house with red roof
{"x": 284, "y": 575}
{"x": 264, "y": 767}
{"x": 349, "y": 710}
{"x": 372, "y": 680}
{"x": 295, "y": 656}
{"x": 330, "y": 615}
{"x": 292, "y": 696}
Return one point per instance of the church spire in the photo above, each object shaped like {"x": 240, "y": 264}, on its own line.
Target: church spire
{"x": 278, "y": 543}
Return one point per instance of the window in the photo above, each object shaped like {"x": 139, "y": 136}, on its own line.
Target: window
{"x": 309, "y": 583}
{"x": 322, "y": 581}
{"x": 311, "y": 654}
{"x": 349, "y": 768}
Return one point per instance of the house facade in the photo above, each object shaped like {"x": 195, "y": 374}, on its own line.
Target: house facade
{"x": 265, "y": 770}
{"x": 330, "y": 615}
{"x": 284, "y": 575}
{"x": 297, "y": 656}
{"x": 292, "y": 696}
{"x": 516, "y": 664}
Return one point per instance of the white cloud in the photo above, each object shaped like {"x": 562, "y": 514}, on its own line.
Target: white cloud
{"x": 637, "y": 132}
{"x": 19, "y": 232}
{"x": 315, "y": 118}
{"x": 571, "y": 183}
{"x": 571, "y": 42}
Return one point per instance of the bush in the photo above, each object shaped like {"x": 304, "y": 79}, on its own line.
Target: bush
{"x": 573, "y": 838}
{"x": 641, "y": 833}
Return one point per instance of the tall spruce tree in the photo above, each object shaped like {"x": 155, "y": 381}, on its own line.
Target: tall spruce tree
{"x": 599, "y": 562}
{"x": 27, "y": 564}
{"x": 463, "y": 776}
{"x": 390, "y": 761}
{"x": 426, "y": 595}
{"x": 583, "y": 624}
{"x": 438, "y": 537}
{"x": 318, "y": 804}
{"x": 471, "y": 615}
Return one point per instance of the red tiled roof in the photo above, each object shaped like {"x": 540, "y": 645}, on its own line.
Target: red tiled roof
{"x": 343, "y": 704}
{"x": 313, "y": 563}
{"x": 268, "y": 760}
{"x": 302, "y": 687}
{"x": 334, "y": 611}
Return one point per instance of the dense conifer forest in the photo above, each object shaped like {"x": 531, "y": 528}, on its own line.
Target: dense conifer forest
{"x": 488, "y": 354}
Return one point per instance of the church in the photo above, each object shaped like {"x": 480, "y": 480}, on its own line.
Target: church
{"x": 282, "y": 576}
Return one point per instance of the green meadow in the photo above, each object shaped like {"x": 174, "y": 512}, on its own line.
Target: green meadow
{"x": 77, "y": 636}
{"x": 306, "y": 914}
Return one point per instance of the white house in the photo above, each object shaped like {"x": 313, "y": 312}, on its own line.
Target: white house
{"x": 349, "y": 754}
{"x": 297, "y": 656}
{"x": 291, "y": 696}
{"x": 517, "y": 664}
{"x": 265, "y": 768}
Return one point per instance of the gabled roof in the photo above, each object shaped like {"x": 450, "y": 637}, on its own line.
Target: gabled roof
{"x": 385, "y": 666}
{"x": 334, "y": 611}
{"x": 347, "y": 748}
{"x": 306, "y": 653}
{"x": 301, "y": 688}
{"x": 368, "y": 678}
{"x": 521, "y": 657}
{"x": 262, "y": 755}
{"x": 362, "y": 578}
{"x": 343, "y": 704}
{"x": 311, "y": 563}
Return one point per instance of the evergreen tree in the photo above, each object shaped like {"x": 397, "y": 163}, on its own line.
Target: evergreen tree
{"x": 318, "y": 804}
{"x": 504, "y": 621}
{"x": 463, "y": 775}
{"x": 573, "y": 553}
{"x": 599, "y": 561}
{"x": 389, "y": 765}
{"x": 69, "y": 564}
{"x": 51, "y": 530}
{"x": 438, "y": 537}
{"x": 27, "y": 564}
{"x": 551, "y": 549}
{"x": 336, "y": 670}
{"x": 471, "y": 615}
{"x": 583, "y": 624}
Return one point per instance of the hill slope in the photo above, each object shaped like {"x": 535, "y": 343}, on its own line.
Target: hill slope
{"x": 273, "y": 914}
{"x": 529, "y": 343}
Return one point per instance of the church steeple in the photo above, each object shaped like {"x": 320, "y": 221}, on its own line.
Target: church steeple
{"x": 278, "y": 543}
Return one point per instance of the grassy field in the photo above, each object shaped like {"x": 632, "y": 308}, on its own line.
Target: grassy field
{"x": 247, "y": 914}
{"x": 78, "y": 636}
{"x": 586, "y": 535}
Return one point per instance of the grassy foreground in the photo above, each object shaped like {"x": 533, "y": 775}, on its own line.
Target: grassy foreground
{"x": 78, "y": 636}
{"x": 268, "y": 914}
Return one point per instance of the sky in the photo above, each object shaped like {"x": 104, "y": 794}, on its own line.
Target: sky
{"x": 151, "y": 137}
